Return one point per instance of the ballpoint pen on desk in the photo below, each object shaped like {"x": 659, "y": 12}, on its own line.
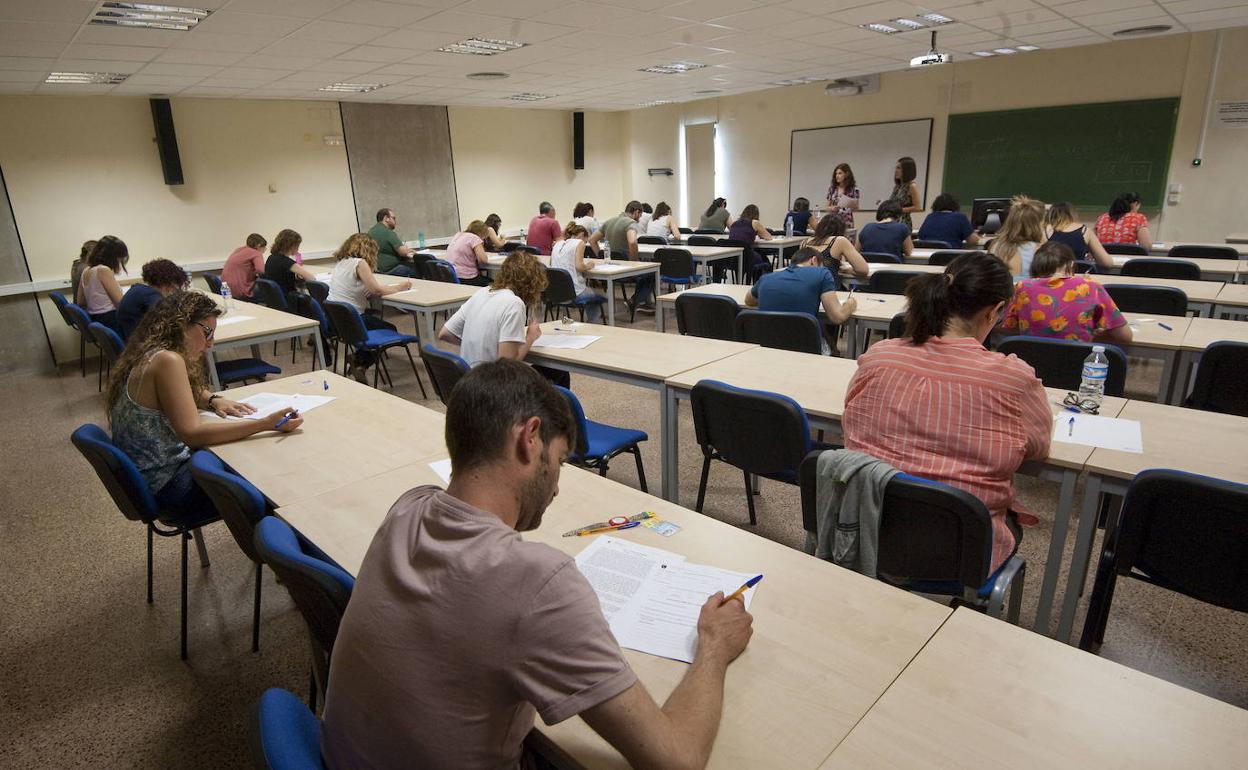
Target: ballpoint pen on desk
{"x": 608, "y": 528}
{"x": 293, "y": 413}
{"x": 614, "y": 523}
{"x": 1167, "y": 327}
{"x": 326, "y": 384}
{"x": 737, "y": 594}
{"x": 1070, "y": 427}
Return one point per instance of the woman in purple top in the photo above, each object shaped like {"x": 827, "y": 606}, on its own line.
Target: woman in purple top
{"x": 746, "y": 230}
{"x": 466, "y": 253}
{"x": 1056, "y": 303}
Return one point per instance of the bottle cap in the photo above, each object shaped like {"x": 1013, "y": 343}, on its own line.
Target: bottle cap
{"x": 1098, "y": 348}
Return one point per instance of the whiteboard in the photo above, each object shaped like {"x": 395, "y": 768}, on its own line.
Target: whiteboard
{"x": 870, "y": 149}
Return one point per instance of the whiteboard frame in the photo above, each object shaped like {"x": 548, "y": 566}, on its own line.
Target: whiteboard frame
{"x": 927, "y": 166}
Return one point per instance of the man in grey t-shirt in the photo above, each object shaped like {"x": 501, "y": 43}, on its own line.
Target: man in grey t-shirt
{"x": 621, "y": 232}
{"x": 459, "y": 631}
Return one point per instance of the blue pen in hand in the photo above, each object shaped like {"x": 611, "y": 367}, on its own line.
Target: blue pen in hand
{"x": 293, "y": 413}
{"x": 1167, "y": 327}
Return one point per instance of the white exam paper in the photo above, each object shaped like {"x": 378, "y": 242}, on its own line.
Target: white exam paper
{"x": 443, "y": 469}
{"x": 617, "y": 569}
{"x": 268, "y": 403}
{"x": 1101, "y": 432}
{"x": 226, "y": 320}
{"x": 565, "y": 341}
{"x": 611, "y": 267}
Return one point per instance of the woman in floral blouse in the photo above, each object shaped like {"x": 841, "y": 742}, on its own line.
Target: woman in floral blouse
{"x": 1056, "y": 303}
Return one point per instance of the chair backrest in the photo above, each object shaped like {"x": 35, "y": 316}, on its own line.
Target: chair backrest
{"x": 1059, "y": 363}
{"x": 62, "y": 306}
{"x": 881, "y": 257}
{"x": 581, "y": 446}
{"x": 928, "y": 530}
{"x": 214, "y": 282}
{"x": 285, "y": 735}
{"x": 706, "y": 315}
{"x": 1079, "y": 266}
{"x": 929, "y": 243}
{"x": 238, "y": 502}
{"x": 686, "y": 230}
{"x": 316, "y": 311}
{"x": 756, "y": 431}
{"x": 897, "y": 326}
{"x": 731, "y": 243}
{"x": 440, "y": 270}
{"x": 80, "y": 320}
{"x": 701, "y": 240}
{"x": 1162, "y": 268}
{"x": 559, "y": 287}
{"x": 1126, "y": 249}
{"x": 317, "y": 290}
{"x": 890, "y": 281}
{"x": 269, "y": 294}
{"x": 117, "y": 472}
{"x": 1220, "y": 379}
{"x": 108, "y": 341}
{"x": 1186, "y": 533}
{"x": 798, "y": 332}
{"x": 1159, "y": 300}
{"x": 319, "y": 588}
{"x": 346, "y": 322}
{"x": 511, "y": 246}
{"x": 674, "y": 263}
{"x": 652, "y": 239}
{"x": 708, "y": 231}
{"x": 445, "y": 369}
{"x": 1192, "y": 251}
{"x": 942, "y": 258}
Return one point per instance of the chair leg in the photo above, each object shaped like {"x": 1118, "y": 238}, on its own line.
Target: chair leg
{"x": 99, "y": 385}
{"x": 641, "y": 470}
{"x": 201, "y": 548}
{"x": 255, "y": 613}
{"x": 312, "y": 689}
{"x": 1016, "y": 595}
{"x": 184, "y": 537}
{"x": 602, "y": 469}
{"x": 706, "y": 471}
{"x": 149, "y": 563}
{"x": 749, "y": 497}
{"x": 415, "y": 372}
{"x": 376, "y": 370}
{"x": 82, "y": 353}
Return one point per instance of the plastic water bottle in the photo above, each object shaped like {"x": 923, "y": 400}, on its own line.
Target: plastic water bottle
{"x": 189, "y": 277}
{"x": 606, "y": 249}
{"x": 788, "y": 226}
{"x": 420, "y": 239}
{"x": 1095, "y": 372}
{"x": 227, "y": 298}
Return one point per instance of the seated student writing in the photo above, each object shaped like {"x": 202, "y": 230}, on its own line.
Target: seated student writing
{"x": 937, "y": 404}
{"x": 353, "y": 281}
{"x": 161, "y": 277}
{"x": 948, "y": 224}
{"x": 568, "y": 254}
{"x": 281, "y": 267}
{"x": 836, "y": 252}
{"x": 1020, "y": 236}
{"x": 493, "y": 241}
{"x": 156, "y": 391}
{"x": 98, "y": 291}
{"x": 466, "y": 253}
{"x": 1055, "y": 302}
{"x": 459, "y": 631}
{"x": 804, "y": 286}
{"x": 1061, "y": 226}
{"x": 887, "y": 234}
{"x": 800, "y": 216}
{"x": 1124, "y": 223}
{"x": 243, "y": 265}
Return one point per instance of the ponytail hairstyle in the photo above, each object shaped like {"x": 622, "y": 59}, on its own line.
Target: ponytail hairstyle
{"x": 1122, "y": 205}
{"x": 971, "y": 282}
{"x": 830, "y": 226}
{"x": 716, "y": 205}
{"x": 573, "y": 230}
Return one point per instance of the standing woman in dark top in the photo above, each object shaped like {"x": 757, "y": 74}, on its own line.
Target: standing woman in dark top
{"x": 835, "y": 248}
{"x": 281, "y": 267}
{"x": 905, "y": 191}
{"x": 1061, "y": 225}
{"x": 746, "y": 230}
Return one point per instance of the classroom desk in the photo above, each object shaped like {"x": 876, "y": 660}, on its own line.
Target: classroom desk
{"x": 1232, "y": 301}
{"x": 1227, "y": 270}
{"x": 362, "y": 432}
{"x": 1161, "y": 248}
{"x": 702, "y": 255}
{"x": 1237, "y": 238}
{"x": 1201, "y": 295}
{"x": 819, "y": 385}
{"x": 919, "y": 256}
{"x": 609, "y": 271}
{"x": 780, "y": 245}
{"x": 1201, "y": 333}
{"x": 983, "y": 694}
{"x": 1150, "y": 340}
{"x": 262, "y": 325}
{"x": 428, "y": 298}
{"x": 1192, "y": 440}
{"x": 827, "y": 642}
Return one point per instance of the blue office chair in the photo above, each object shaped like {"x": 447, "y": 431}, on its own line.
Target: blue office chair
{"x": 934, "y": 539}
{"x": 349, "y": 328}
{"x": 1178, "y": 531}
{"x": 942, "y": 258}
{"x": 319, "y": 588}
{"x": 762, "y": 434}
{"x": 597, "y": 443}
{"x": 1176, "y": 269}
{"x": 82, "y": 322}
{"x": 234, "y": 370}
{"x": 71, "y": 320}
{"x": 214, "y": 282}
{"x": 881, "y": 257}
{"x": 1220, "y": 379}
{"x": 932, "y": 243}
{"x": 890, "y": 281}
{"x": 1191, "y": 251}
{"x": 285, "y": 735}
{"x": 110, "y": 345}
{"x": 136, "y": 502}
{"x": 676, "y": 266}
{"x": 560, "y": 293}
{"x": 445, "y": 370}
{"x": 268, "y": 293}
{"x": 314, "y": 310}
{"x": 1059, "y": 363}
{"x": 240, "y": 505}
{"x": 317, "y": 290}
{"x": 796, "y": 332}
{"x": 707, "y": 315}
{"x": 1157, "y": 300}
{"x": 1126, "y": 249}
{"x": 440, "y": 270}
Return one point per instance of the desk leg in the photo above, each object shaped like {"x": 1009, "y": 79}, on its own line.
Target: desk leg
{"x": 1057, "y": 549}
{"x": 1169, "y": 363}
{"x": 741, "y": 266}
{"x": 660, "y": 312}
{"x": 669, "y": 411}
{"x": 425, "y": 321}
{"x": 610, "y": 302}
{"x": 851, "y": 337}
{"x": 213, "y": 379}
{"x": 1079, "y": 558}
{"x": 318, "y": 355}
{"x": 654, "y": 299}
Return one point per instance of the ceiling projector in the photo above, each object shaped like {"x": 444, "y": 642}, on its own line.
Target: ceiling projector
{"x": 931, "y": 57}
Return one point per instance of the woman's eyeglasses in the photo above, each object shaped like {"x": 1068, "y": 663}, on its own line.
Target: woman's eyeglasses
{"x": 208, "y": 330}
{"x": 1085, "y": 405}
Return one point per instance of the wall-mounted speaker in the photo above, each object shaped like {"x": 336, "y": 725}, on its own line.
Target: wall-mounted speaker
{"x": 166, "y": 141}
{"x": 578, "y": 140}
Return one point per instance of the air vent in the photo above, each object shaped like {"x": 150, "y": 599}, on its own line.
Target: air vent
{"x": 171, "y": 17}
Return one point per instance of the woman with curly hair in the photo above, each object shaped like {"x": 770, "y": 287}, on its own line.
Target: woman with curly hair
{"x": 353, "y": 282}
{"x": 161, "y": 277}
{"x": 156, "y": 391}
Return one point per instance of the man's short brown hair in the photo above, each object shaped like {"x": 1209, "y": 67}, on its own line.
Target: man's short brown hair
{"x": 492, "y": 399}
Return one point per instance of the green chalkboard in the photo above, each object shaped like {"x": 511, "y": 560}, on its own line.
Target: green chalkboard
{"x": 1085, "y": 154}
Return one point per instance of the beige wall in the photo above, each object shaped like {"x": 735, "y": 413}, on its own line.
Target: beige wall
{"x": 699, "y": 167}
{"x": 754, "y": 129}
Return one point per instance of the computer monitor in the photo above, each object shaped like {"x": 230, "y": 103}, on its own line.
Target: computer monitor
{"x": 988, "y": 214}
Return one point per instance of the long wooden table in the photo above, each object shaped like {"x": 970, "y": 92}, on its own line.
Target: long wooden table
{"x": 428, "y": 298}
{"x": 261, "y": 325}
{"x": 985, "y": 694}
{"x": 608, "y": 271}
{"x": 1201, "y": 295}
{"x": 1228, "y": 270}
{"x": 703, "y": 256}
{"x": 1232, "y": 301}
{"x": 827, "y": 642}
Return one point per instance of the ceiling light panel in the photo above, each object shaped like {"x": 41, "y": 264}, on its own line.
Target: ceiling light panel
{"x": 675, "y": 68}
{"x": 883, "y": 29}
{"x": 353, "y": 88}
{"x": 528, "y": 97}
{"x": 482, "y": 46}
{"x": 908, "y": 23}
{"x": 935, "y": 19}
{"x": 87, "y": 78}
{"x": 151, "y": 16}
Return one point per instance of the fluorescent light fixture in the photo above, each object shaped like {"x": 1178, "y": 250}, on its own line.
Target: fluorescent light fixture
{"x": 909, "y": 23}
{"x": 528, "y": 97}
{"x": 883, "y": 29}
{"x": 149, "y": 15}
{"x": 656, "y": 103}
{"x": 984, "y": 53}
{"x": 800, "y": 81}
{"x": 87, "y": 78}
{"x": 935, "y": 18}
{"x": 1004, "y": 51}
{"x": 675, "y": 68}
{"x": 482, "y": 46}
{"x": 353, "y": 88}
{"x": 1029, "y": 48}
{"x": 1152, "y": 29}
{"x": 487, "y": 76}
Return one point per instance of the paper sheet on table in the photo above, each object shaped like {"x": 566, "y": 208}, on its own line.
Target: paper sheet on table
{"x": 324, "y": 277}
{"x": 268, "y": 403}
{"x": 226, "y": 320}
{"x": 1120, "y": 261}
{"x": 565, "y": 341}
{"x": 604, "y": 267}
{"x": 1102, "y": 432}
{"x": 617, "y": 569}
{"x": 443, "y": 469}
